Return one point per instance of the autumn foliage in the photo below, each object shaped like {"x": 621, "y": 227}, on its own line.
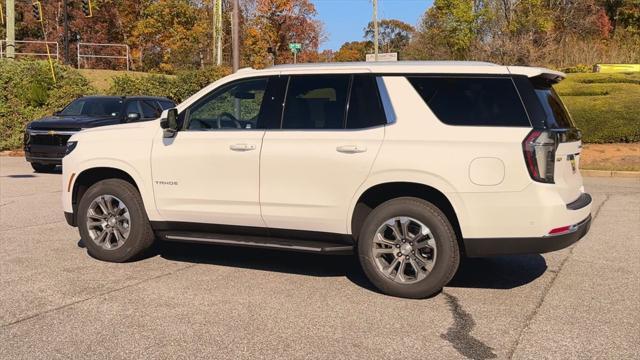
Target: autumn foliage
{"x": 168, "y": 36}
{"x": 171, "y": 35}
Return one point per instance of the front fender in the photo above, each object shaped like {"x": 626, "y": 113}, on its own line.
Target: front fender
{"x": 141, "y": 178}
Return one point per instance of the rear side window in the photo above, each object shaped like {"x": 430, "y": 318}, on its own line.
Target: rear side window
{"x": 132, "y": 107}
{"x": 365, "y": 106}
{"x": 316, "y": 102}
{"x": 473, "y": 101}
{"x": 556, "y": 113}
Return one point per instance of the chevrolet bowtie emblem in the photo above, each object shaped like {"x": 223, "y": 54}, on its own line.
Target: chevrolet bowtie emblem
{"x": 51, "y": 132}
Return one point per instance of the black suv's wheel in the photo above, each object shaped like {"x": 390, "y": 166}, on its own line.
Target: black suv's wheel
{"x": 408, "y": 248}
{"x": 112, "y": 221}
{"x": 43, "y": 168}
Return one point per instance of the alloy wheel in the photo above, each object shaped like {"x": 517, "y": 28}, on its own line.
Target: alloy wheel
{"x": 108, "y": 222}
{"x": 404, "y": 250}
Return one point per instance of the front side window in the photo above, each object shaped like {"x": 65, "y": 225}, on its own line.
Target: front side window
{"x": 473, "y": 101}
{"x": 149, "y": 111}
{"x": 316, "y": 102}
{"x": 99, "y": 107}
{"x": 235, "y": 106}
{"x": 166, "y": 104}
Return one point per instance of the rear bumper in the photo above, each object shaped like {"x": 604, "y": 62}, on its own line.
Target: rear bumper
{"x": 516, "y": 246}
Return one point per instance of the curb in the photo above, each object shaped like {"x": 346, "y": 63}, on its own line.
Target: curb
{"x": 12, "y": 153}
{"x": 610, "y": 173}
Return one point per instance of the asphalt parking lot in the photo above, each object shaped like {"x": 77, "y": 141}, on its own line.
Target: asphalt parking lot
{"x": 193, "y": 301}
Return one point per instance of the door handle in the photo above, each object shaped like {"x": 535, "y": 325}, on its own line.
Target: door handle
{"x": 242, "y": 147}
{"x": 351, "y": 149}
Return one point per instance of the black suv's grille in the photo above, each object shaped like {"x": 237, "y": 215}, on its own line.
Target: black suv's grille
{"x": 54, "y": 140}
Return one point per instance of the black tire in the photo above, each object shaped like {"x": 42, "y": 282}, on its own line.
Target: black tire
{"x": 43, "y": 168}
{"x": 448, "y": 253}
{"x": 141, "y": 235}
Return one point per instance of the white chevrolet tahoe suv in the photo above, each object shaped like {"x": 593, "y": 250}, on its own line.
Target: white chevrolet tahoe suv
{"x": 411, "y": 165}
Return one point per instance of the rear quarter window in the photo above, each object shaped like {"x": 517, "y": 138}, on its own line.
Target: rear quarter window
{"x": 557, "y": 115}
{"x": 472, "y": 101}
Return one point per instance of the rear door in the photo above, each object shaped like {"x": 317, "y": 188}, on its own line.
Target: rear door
{"x": 332, "y": 127}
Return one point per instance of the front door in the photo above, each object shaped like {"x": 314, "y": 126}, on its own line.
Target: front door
{"x": 209, "y": 171}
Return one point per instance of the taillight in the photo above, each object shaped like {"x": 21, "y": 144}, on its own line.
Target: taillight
{"x": 539, "y": 154}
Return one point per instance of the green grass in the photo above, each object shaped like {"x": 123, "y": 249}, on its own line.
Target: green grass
{"x": 101, "y": 80}
{"x": 605, "y": 106}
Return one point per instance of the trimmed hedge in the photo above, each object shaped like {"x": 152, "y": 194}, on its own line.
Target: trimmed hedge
{"x": 177, "y": 88}
{"x": 605, "y": 106}
{"x": 27, "y": 92}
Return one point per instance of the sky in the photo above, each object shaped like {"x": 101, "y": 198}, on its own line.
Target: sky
{"x": 345, "y": 20}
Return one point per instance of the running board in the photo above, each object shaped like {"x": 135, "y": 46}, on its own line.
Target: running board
{"x": 308, "y": 246}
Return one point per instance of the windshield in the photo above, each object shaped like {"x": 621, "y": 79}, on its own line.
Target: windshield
{"x": 93, "y": 107}
{"x": 557, "y": 115}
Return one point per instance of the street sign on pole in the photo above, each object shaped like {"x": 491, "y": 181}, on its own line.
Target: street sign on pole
{"x": 295, "y": 49}
{"x": 383, "y": 57}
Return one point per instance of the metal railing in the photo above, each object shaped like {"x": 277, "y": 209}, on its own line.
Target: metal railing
{"x": 81, "y": 56}
{"x": 3, "y": 45}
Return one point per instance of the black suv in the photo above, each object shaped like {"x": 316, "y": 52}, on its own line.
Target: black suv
{"x": 45, "y": 140}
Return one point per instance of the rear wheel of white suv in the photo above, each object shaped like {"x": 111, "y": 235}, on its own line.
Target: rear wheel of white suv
{"x": 112, "y": 221}
{"x": 408, "y": 248}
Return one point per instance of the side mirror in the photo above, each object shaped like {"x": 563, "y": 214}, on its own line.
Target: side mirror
{"x": 169, "y": 122}
{"x": 133, "y": 116}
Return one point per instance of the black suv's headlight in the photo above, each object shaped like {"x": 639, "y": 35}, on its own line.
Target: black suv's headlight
{"x": 70, "y": 146}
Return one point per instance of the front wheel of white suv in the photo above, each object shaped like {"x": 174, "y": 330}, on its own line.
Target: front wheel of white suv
{"x": 408, "y": 248}
{"x": 112, "y": 221}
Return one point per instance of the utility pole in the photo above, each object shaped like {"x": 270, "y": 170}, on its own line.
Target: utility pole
{"x": 65, "y": 36}
{"x": 216, "y": 9}
{"x": 11, "y": 32}
{"x": 219, "y": 31}
{"x": 214, "y": 24}
{"x": 375, "y": 28}
{"x": 235, "y": 36}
